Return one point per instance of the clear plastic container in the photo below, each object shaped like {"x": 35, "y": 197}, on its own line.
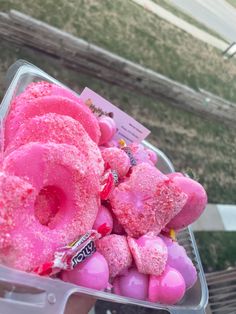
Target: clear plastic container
{"x": 25, "y": 293}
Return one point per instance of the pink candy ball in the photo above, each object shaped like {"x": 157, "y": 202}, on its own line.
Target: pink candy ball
{"x": 152, "y": 156}
{"x": 108, "y": 129}
{"x": 168, "y": 288}
{"x": 104, "y": 218}
{"x": 195, "y": 205}
{"x": 174, "y": 174}
{"x": 133, "y": 285}
{"x": 178, "y": 259}
{"x": 92, "y": 273}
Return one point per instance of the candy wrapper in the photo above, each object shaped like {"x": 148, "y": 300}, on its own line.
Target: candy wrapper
{"x": 66, "y": 258}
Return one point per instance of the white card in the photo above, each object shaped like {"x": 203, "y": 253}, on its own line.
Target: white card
{"x": 127, "y": 128}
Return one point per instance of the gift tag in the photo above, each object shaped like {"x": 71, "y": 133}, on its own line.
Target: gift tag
{"x": 127, "y": 128}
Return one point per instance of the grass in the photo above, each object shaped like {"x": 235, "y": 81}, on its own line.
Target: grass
{"x": 217, "y": 250}
{"x": 166, "y": 4}
{"x": 130, "y": 31}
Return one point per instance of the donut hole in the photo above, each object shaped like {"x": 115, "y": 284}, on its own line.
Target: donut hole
{"x": 48, "y": 205}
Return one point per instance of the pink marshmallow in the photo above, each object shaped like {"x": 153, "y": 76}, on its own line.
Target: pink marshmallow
{"x": 116, "y": 251}
{"x": 146, "y": 201}
{"x": 149, "y": 253}
{"x": 117, "y": 160}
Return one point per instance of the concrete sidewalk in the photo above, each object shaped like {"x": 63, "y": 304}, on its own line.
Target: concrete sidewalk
{"x": 180, "y": 23}
{"x": 217, "y": 217}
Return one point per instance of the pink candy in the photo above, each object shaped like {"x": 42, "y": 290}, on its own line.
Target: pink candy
{"x": 146, "y": 201}
{"x": 132, "y": 284}
{"x": 178, "y": 259}
{"x": 92, "y": 273}
{"x": 108, "y": 129}
{"x": 149, "y": 253}
{"x": 195, "y": 205}
{"x": 103, "y": 219}
{"x": 168, "y": 288}
{"x": 116, "y": 251}
{"x": 117, "y": 160}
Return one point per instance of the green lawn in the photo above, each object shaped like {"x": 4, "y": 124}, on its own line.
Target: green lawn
{"x": 217, "y": 250}
{"x": 130, "y": 31}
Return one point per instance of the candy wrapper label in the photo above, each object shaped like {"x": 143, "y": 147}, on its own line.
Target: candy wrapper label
{"x": 127, "y": 127}
{"x": 66, "y": 258}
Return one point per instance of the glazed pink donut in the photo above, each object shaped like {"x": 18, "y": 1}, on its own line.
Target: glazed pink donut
{"x": 65, "y": 205}
{"x": 108, "y": 129}
{"x": 56, "y": 104}
{"x": 117, "y": 160}
{"x": 42, "y": 89}
{"x": 60, "y": 129}
{"x": 13, "y": 192}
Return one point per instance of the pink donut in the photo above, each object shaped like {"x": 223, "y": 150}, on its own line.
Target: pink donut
{"x": 146, "y": 201}
{"x": 116, "y": 251}
{"x": 56, "y": 104}
{"x": 117, "y": 160}
{"x": 65, "y": 205}
{"x": 108, "y": 129}
{"x": 41, "y": 89}
{"x": 13, "y": 192}
{"x": 60, "y": 129}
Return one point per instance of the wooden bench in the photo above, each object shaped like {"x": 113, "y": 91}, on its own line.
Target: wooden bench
{"x": 222, "y": 292}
